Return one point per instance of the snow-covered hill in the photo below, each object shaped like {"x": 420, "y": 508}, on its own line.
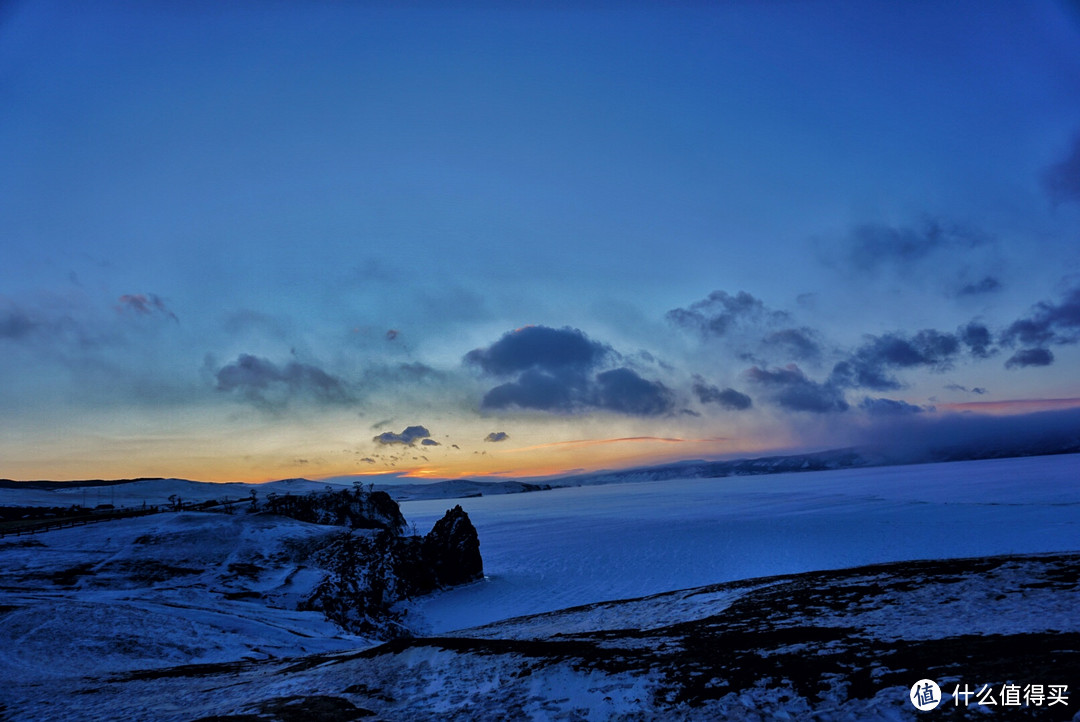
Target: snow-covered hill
{"x": 135, "y": 493}
{"x": 149, "y": 491}
{"x": 842, "y": 645}
{"x": 157, "y": 591}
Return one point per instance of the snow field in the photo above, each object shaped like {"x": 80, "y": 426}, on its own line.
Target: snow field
{"x": 549, "y": 550}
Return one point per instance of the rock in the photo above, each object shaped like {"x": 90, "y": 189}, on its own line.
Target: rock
{"x": 354, "y": 508}
{"x": 452, "y": 549}
{"x": 369, "y": 572}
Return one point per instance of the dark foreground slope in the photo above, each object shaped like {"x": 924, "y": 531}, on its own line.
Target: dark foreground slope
{"x": 827, "y": 645}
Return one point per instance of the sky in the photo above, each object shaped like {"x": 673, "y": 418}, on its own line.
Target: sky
{"x": 257, "y": 240}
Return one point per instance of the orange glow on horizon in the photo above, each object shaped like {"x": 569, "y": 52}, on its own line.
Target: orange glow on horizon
{"x": 254, "y": 456}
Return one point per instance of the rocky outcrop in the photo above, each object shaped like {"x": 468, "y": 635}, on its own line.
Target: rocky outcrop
{"x": 452, "y": 548}
{"x": 355, "y": 508}
{"x": 369, "y": 572}
{"x": 361, "y": 585}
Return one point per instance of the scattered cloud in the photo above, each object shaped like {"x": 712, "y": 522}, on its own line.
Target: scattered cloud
{"x": 978, "y": 339}
{"x": 789, "y": 388}
{"x": 1048, "y": 323}
{"x": 721, "y": 313}
{"x": 988, "y": 284}
{"x": 553, "y": 351}
{"x": 873, "y": 246}
{"x": 408, "y": 437}
{"x": 265, "y": 383}
{"x": 729, "y": 398}
{"x": 978, "y": 390}
{"x": 1061, "y": 181}
{"x": 869, "y": 365}
{"x": 1030, "y": 357}
{"x": 496, "y": 436}
{"x": 888, "y": 407}
{"x": 799, "y": 344}
{"x": 145, "y": 305}
{"x": 391, "y": 334}
{"x": 604, "y": 442}
{"x": 413, "y": 372}
{"x": 430, "y": 442}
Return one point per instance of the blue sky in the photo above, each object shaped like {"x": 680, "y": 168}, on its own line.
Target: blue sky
{"x": 246, "y": 240}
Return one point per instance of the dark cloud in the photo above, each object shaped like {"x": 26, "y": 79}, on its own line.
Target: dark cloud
{"x": 989, "y": 284}
{"x": 16, "y": 324}
{"x": 791, "y": 389}
{"x": 1048, "y": 323}
{"x": 1030, "y": 357}
{"x": 873, "y": 246}
{"x": 974, "y": 390}
{"x": 542, "y": 349}
{"x": 1061, "y": 181}
{"x": 623, "y": 391}
{"x": 978, "y": 339}
{"x": 869, "y": 365}
{"x": 496, "y": 436}
{"x": 720, "y": 313}
{"x": 555, "y": 372}
{"x": 539, "y": 390}
{"x": 408, "y": 437}
{"x": 728, "y": 398}
{"x": 888, "y": 407}
{"x": 620, "y": 390}
{"x": 799, "y": 344}
{"x": 145, "y": 305}
{"x": 934, "y": 436}
{"x": 265, "y": 383}
{"x": 430, "y": 442}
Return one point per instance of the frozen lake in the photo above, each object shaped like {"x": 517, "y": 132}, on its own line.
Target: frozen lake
{"x": 554, "y": 549}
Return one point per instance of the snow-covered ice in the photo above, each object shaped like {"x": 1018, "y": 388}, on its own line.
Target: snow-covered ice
{"x": 554, "y": 549}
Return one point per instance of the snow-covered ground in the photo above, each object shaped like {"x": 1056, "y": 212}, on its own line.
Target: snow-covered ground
{"x": 159, "y": 590}
{"x": 554, "y": 549}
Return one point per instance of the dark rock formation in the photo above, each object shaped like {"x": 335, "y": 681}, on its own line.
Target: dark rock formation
{"x": 452, "y": 548}
{"x": 355, "y": 508}
{"x": 361, "y": 586}
{"x": 369, "y": 572}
